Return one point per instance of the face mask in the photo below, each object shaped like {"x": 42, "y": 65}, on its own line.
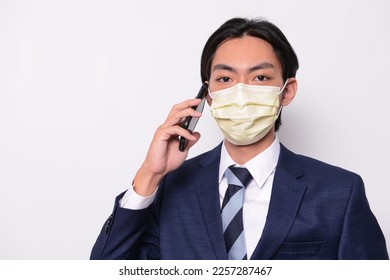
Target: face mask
{"x": 246, "y": 113}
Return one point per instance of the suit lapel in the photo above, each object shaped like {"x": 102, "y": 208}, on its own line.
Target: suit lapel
{"x": 287, "y": 193}
{"x": 208, "y": 197}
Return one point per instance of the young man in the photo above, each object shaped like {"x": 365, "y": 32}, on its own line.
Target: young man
{"x": 287, "y": 206}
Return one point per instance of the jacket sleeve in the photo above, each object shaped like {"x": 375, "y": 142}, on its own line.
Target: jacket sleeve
{"x": 361, "y": 236}
{"x": 128, "y": 234}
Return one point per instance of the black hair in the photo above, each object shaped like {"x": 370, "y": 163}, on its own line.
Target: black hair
{"x": 260, "y": 28}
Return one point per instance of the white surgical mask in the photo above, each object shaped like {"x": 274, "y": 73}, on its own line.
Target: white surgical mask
{"x": 246, "y": 113}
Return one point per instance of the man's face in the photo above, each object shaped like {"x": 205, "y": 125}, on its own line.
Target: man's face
{"x": 247, "y": 60}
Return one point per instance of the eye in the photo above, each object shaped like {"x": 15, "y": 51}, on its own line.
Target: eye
{"x": 261, "y": 78}
{"x": 224, "y": 79}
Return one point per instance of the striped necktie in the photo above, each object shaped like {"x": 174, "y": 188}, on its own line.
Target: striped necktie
{"x": 233, "y": 230}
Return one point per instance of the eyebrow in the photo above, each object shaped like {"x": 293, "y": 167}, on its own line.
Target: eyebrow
{"x": 263, "y": 65}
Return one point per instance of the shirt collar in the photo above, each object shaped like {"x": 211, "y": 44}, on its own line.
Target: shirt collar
{"x": 260, "y": 167}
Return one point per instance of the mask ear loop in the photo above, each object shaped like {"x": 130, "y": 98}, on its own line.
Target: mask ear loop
{"x": 284, "y": 86}
{"x": 281, "y": 92}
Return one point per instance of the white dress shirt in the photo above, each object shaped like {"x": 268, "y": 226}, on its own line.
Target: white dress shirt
{"x": 256, "y": 198}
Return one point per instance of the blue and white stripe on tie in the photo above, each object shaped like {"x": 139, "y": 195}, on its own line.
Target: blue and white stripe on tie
{"x": 238, "y": 178}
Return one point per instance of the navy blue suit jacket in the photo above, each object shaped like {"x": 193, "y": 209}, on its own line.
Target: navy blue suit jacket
{"x": 317, "y": 211}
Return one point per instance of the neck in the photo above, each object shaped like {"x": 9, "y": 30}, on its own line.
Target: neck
{"x": 242, "y": 154}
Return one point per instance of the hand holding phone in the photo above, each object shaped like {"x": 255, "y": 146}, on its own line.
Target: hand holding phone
{"x": 190, "y": 122}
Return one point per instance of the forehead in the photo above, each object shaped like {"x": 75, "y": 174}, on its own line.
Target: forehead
{"x": 244, "y": 52}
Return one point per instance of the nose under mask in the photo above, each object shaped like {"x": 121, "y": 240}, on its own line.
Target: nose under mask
{"x": 246, "y": 113}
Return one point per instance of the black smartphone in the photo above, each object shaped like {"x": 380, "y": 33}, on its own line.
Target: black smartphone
{"x": 190, "y": 122}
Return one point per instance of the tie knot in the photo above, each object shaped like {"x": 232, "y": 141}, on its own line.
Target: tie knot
{"x": 238, "y": 176}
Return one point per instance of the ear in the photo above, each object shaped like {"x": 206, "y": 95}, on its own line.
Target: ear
{"x": 208, "y": 97}
{"x": 289, "y": 91}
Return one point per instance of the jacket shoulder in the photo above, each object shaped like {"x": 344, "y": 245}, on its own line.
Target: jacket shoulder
{"x": 313, "y": 167}
{"x": 205, "y": 158}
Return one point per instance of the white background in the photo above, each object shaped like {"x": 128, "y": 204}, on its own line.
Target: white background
{"x": 84, "y": 84}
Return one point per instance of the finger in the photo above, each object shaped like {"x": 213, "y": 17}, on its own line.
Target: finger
{"x": 178, "y": 117}
{"x": 167, "y": 133}
{"x": 184, "y": 105}
{"x": 191, "y": 143}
